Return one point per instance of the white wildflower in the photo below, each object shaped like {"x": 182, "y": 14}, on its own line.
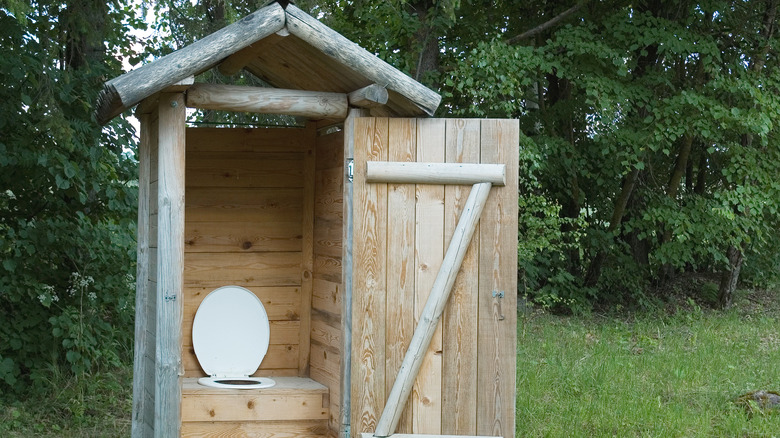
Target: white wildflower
{"x": 92, "y": 296}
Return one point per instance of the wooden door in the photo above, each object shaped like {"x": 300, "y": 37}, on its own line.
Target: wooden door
{"x": 466, "y": 385}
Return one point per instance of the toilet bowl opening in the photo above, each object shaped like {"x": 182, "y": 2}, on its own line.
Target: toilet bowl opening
{"x": 237, "y": 382}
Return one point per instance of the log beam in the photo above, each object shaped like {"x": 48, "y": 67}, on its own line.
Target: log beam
{"x": 127, "y": 90}
{"x": 434, "y": 173}
{"x": 311, "y": 104}
{"x": 368, "y": 97}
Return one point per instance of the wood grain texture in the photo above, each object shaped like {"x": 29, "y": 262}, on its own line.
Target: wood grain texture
{"x": 244, "y": 169}
{"x": 368, "y": 97}
{"x": 497, "y": 264}
{"x": 235, "y": 62}
{"x": 142, "y": 347}
{"x": 329, "y": 201}
{"x": 265, "y": 429}
{"x": 327, "y": 297}
{"x": 307, "y": 255}
{"x": 369, "y": 249}
{"x": 130, "y": 88}
{"x": 265, "y": 140}
{"x": 171, "y": 145}
{"x": 310, "y": 104}
{"x": 281, "y": 360}
{"x": 434, "y": 173}
{"x": 293, "y": 398}
{"x": 429, "y": 253}
{"x": 459, "y": 352}
{"x": 215, "y": 204}
{"x": 356, "y": 58}
{"x": 400, "y": 262}
{"x": 249, "y": 269}
{"x": 243, "y": 237}
{"x": 433, "y": 310}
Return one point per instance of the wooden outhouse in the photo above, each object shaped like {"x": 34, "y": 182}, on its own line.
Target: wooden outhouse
{"x": 355, "y": 230}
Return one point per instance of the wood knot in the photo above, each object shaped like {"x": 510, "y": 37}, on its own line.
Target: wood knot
{"x": 426, "y": 401}
{"x": 250, "y": 404}
{"x": 246, "y": 245}
{"x": 212, "y": 413}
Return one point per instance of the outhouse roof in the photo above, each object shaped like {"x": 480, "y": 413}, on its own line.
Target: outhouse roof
{"x": 283, "y": 46}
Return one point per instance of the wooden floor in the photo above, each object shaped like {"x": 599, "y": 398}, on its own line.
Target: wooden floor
{"x": 294, "y": 407}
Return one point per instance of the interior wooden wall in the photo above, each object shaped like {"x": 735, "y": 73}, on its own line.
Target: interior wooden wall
{"x": 327, "y": 296}
{"x": 466, "y": 385}
{"x": 245, "y": 191}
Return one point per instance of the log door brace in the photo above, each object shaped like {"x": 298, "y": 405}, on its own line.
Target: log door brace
{"x": 482, "y": 177}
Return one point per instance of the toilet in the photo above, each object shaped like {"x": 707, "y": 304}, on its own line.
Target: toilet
{"x": 230, "y": 336}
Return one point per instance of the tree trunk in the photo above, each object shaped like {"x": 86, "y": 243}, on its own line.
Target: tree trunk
{"x": 667, "y": 271}
{"x": 427, "y": 42}
{"x": 594, "y": 270}
{"x": 730, "y": 277}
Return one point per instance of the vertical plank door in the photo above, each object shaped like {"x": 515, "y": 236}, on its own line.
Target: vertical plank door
{"x": 466, "y": 385}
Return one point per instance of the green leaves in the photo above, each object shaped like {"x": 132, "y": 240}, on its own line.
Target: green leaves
{"x": 66, "y": 206}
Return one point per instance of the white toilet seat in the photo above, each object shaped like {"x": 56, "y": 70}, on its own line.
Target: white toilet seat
{"x": 230, "y": 336}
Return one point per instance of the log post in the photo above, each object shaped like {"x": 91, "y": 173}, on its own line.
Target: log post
{"x": 170, "y": 265}
{"x": 142, "y": 347}
{"x": 434, "y": 307}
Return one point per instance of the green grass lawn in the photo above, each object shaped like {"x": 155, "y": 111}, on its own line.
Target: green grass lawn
{"x": 650, "y": 375}
{"x": 662, "y": 374}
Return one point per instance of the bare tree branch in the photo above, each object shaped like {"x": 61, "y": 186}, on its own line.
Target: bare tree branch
{"x": 547, "y": 24}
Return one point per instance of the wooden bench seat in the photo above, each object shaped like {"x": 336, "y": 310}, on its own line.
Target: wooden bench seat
{"x": 294, "y": 407}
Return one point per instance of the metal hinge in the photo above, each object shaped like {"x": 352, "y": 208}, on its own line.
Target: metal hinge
{"x": 350, "y": 169}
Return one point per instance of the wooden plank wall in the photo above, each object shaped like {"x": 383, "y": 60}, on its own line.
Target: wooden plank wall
{"x": 466, "y": 385}
{"x": 327, "y": 294}
{"x": 245, "y": 191}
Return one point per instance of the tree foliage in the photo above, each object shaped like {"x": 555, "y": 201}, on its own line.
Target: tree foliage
{"x": 652, "y": 125}
{"x": 67, "y": 199}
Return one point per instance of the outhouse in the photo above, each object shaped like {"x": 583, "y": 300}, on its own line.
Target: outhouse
{"x": 381, "y": 242}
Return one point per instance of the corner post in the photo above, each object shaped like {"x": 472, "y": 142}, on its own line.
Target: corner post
{"x": 170, "y": 269}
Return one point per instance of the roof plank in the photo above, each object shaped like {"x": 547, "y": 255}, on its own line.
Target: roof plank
{"x": 359, "y": 59}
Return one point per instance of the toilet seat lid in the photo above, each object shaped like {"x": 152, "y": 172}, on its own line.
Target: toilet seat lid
{"x": 230, "y": 332}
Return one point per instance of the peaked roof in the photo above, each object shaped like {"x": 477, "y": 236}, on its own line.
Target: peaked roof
{"x": 285, "y": 47}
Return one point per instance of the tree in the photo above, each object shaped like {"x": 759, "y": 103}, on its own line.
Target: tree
{"x": 68, "y": 195}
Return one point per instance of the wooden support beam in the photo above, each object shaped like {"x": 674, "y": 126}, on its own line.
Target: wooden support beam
{"x": 311, "y": 104}
{"x": 434, "y": 173}
{"x": 149, "y": 104}
{"x": 368, "y": 97}
{"x": 142, "y": 347}
{"x": 127, "y": 90}
{"x": 235, "y": 62}
{"x": 170, "y": 265}
{"x": 434, "y": 307}
{"x": 359, "y": 59}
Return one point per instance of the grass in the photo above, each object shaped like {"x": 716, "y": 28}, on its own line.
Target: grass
{"x": 96, "y": 407}
{"x": 664, "y": 374}
{"x": 649, "y": 375}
